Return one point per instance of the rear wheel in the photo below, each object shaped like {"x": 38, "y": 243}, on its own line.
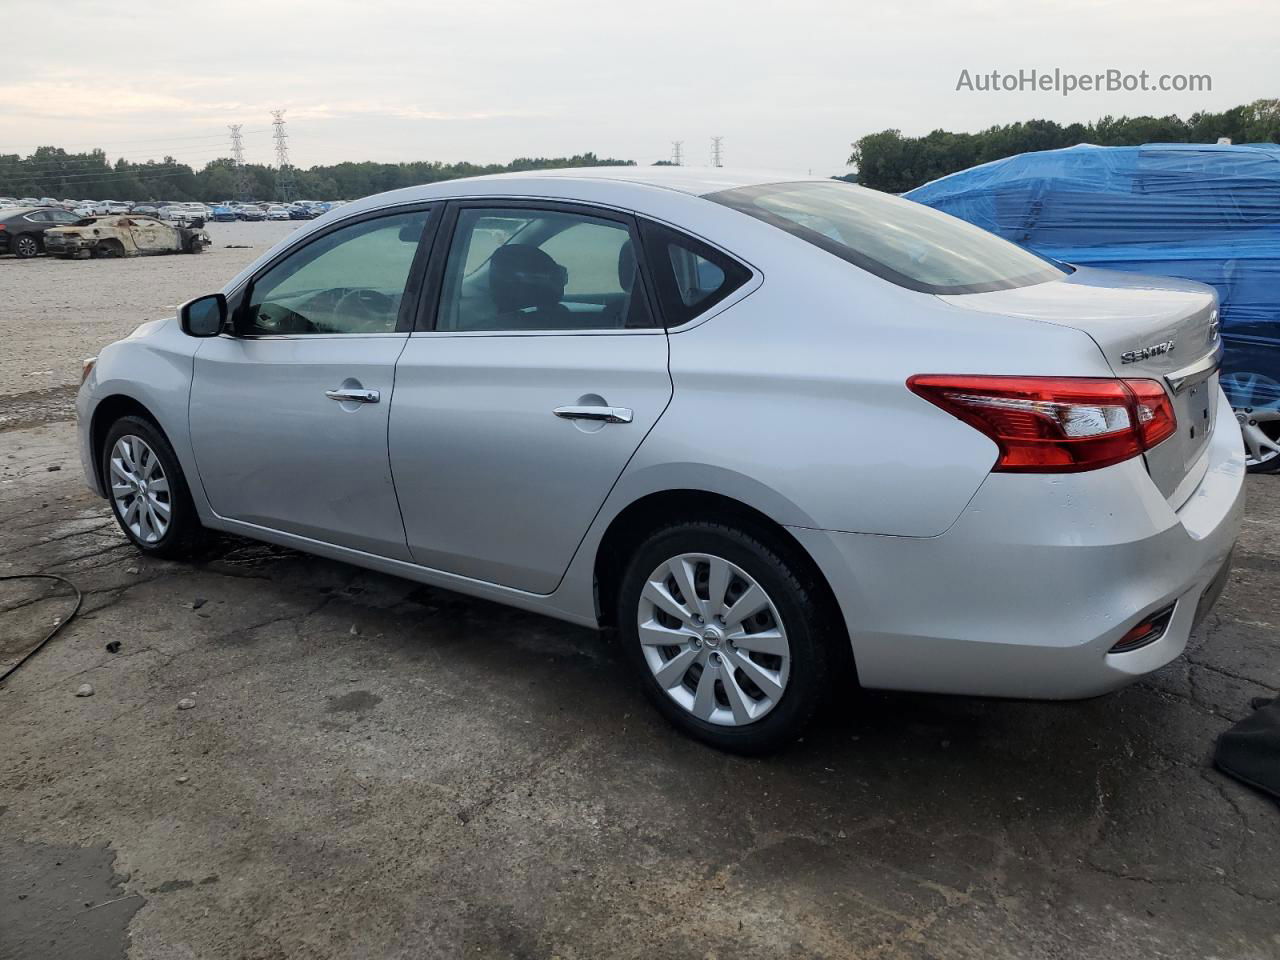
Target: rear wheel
{"x": 26, "y": 246}
{"x": 1255, "y": 400}
{"x": 148, "y": 492}
{"x": 727, "y": 633}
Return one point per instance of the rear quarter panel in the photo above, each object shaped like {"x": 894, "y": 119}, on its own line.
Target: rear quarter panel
{"x": 801, "y": 387}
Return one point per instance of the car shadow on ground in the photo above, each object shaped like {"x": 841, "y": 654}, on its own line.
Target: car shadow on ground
{"x": 1055, "y": 764}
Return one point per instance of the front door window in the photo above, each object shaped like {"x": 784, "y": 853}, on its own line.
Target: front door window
{"x": 351, "y": 281}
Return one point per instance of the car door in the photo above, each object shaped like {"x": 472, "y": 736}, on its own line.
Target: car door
{"x": 289, "y": 415}
{"x": 152, "y": 236}
{"x": 536, "y": 373}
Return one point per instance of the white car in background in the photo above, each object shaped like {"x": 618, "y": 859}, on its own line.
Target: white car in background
{"x": 178, "y": 213}
{"x": 277, "y": 212}
{"x": 763, "y": 427}
{"x": 117, "y": 206}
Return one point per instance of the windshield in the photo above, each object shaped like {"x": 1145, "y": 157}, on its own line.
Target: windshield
{"x": 900, "y": 241}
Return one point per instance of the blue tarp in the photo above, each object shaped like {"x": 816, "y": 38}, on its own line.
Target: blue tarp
{"x": 1206, "y": 212}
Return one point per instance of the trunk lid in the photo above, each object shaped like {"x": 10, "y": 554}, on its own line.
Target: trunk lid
{"x": 1156, "y": 328}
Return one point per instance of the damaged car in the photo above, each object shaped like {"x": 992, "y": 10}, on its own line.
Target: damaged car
{"x": 122, "y": 236}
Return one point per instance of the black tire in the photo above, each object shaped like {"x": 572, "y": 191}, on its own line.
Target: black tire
{"x": 185, "y": 535}
{"x": 26, "y": 246}
{"x": 810, "y": 629}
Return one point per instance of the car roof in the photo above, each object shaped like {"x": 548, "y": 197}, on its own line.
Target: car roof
{"x": 697, "y": 181}
{"x": 626, "y": 186}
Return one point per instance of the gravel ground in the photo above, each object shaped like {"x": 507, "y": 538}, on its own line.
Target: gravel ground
{"x": 54, "y": 313}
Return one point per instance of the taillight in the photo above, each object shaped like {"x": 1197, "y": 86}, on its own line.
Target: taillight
{"x": 1156, "y": 419}
{"x": 1055, "y": 424}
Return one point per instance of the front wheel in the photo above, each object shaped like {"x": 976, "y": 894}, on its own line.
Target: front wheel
{"x": 148, "y": 492}
{"x": 728, "y": 634}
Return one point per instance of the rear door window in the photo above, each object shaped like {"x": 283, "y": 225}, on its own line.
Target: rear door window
{"x": 527, "y": 269}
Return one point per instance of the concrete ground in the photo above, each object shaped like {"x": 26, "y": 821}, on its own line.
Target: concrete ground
{"x": 377, "y": 769}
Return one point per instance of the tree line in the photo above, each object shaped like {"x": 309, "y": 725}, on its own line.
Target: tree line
{"x": 54, "y": 172}
{"x": 890, "y": 161}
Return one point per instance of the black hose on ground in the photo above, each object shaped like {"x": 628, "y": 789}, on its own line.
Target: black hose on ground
{"x": 58, "y": 626}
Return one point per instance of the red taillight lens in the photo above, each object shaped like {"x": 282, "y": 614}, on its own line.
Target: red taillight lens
{"x": 1156, "y": 419}
{"x": 1055, "y": 424}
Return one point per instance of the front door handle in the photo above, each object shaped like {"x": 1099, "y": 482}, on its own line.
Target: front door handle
{"x": 604, "y": 414}
{"x": 349, "y": 395}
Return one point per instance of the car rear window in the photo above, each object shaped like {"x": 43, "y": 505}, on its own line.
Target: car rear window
{"x": 903, "y": 242}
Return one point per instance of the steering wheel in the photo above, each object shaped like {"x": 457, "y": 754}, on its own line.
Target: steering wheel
{"x": 365, "y": 304}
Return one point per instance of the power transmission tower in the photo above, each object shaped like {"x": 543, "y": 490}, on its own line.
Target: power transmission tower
{"x": 284, "y": 172}
{"x": 677, "y": 152}
{"x": 243, "y": 187}
{"x": 716, "y": 155}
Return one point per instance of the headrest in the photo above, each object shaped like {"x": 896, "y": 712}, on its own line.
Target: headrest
{"x": 522, "y": 276}
{"x": 626, "y": 266}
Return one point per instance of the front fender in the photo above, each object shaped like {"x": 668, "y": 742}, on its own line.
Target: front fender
{"x": 152, "y": 367}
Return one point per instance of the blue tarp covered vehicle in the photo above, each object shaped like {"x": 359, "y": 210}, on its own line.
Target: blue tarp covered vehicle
{"x": 1207, "y": 212}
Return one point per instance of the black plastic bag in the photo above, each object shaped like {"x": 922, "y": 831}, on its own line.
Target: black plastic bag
{"x": 1250, "y": 751}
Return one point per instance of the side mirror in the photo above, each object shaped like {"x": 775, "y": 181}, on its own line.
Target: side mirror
{"x": 204, "y": 316}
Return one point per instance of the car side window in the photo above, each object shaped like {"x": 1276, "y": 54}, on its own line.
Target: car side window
{"x": 691, "y": 277}
{"x": 350, "y": 281}
{"x": 523, "y": 269}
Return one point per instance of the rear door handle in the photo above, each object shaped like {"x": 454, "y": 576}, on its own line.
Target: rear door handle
{"x": 349, "y": 395}
{"x": 604, "y": 414}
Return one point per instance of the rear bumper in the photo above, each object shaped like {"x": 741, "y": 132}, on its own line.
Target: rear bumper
{"x": 1040, "y": 576}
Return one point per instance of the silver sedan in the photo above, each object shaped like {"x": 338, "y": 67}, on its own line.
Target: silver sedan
{"x": 784, "y": 435}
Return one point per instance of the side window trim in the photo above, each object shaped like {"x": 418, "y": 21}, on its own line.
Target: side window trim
{"x": 414, "y": 282}
{"x": 429, "y": 305}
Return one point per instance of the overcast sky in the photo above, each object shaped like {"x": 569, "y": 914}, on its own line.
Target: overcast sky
{"x": 787, "y": 84}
